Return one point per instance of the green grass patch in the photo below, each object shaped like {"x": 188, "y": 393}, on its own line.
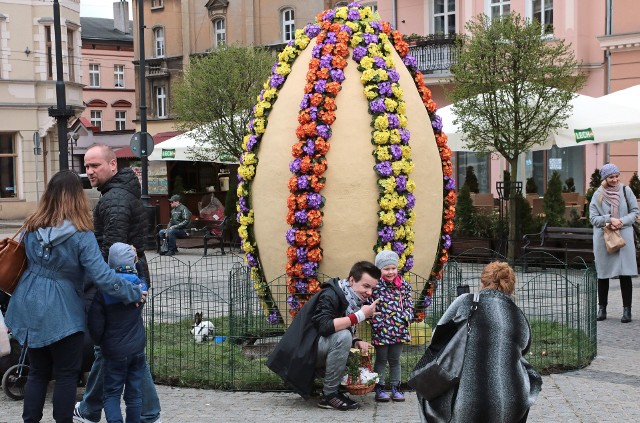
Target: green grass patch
{"x": 556, "y": 347}
{"x": 178, "y": 361}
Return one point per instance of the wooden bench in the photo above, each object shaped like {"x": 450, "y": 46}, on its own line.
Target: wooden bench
{"x": 564, "y": 243}
{"x": 199, "y": 235}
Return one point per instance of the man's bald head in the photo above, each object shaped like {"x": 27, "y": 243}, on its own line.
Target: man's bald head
{"x": 101, "y": 164}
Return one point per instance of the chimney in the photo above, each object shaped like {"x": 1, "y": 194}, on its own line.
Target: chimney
{"x": 121, "y": 16}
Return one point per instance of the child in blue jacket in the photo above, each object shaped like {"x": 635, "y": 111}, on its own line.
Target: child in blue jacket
{"x": 118, "y": 329}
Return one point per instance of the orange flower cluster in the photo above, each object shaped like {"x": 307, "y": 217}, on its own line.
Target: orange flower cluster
{"x": 309, "y": 165}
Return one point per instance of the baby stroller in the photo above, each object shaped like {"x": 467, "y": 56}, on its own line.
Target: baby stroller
{"x": 15, "y": 377}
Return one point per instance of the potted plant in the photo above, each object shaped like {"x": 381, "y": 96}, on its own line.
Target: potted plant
{"x": 634, "y": 184}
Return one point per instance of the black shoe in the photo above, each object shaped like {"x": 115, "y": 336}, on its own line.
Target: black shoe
{"x": 626, "y": 315}
{"x": 171, "y": 252}
{"x": 339, "y": 401}
{"x": 602, "y": 313}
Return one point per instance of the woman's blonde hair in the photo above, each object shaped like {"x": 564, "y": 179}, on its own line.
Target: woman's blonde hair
{"x": 498, "y": 275}
{"x": 63, "y": 199}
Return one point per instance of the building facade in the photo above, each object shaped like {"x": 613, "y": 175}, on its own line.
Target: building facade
{"x": 27, "y": 90}
{"x": 605, "y": 38}
{"x": 176, "y": 30}
{"x": 109, "y": 76}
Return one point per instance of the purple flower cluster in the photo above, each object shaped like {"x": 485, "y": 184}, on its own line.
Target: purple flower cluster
{"x": 301, "y": 253}
{"x": 274, "y": 317}
{"x": 387, "y": 234}
{"x": 314, "y": 200}
{"x": 377, "y": 106}
{"x": 310, "y": 269}
{"x": 293, "y": 302}
{"x": 384, "y": 169}
{"x": 436, "y": 123}
{"x": 446, "y": 241}
{"x": 449, "y": 183}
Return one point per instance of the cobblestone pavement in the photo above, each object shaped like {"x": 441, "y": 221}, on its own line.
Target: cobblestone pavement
{"x": 606, "y": 391}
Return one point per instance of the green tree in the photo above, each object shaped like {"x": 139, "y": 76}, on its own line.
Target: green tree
{"x": 512, "y": 87}
{"x": 471, "y": 180}
{"x": 216, "y": 95}
{"x": 553, "y": 204}
{"x": 634, "y": 184}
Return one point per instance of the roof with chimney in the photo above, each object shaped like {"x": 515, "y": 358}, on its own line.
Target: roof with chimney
{"x": 103, "y": 29}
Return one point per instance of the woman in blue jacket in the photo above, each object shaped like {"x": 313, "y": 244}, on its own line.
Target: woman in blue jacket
{"x": 47, "y": 307}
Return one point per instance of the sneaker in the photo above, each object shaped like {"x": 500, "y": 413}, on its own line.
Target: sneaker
{"x": 396, "y": 393}
{"x": 77, "y": 417}
{"x": 339, "y": 401}
{"x": 381, "y": 394}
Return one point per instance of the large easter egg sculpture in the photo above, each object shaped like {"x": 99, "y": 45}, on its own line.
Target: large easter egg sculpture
{"x": 346, "y": 157}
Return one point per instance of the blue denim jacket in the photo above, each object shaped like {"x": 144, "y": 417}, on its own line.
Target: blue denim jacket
{"x": 48, "y": 303}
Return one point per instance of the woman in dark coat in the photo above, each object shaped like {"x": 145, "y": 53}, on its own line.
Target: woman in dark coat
{"x": 497, "y": 384}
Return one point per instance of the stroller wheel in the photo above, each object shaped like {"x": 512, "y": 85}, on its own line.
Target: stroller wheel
{"x": 14, "y": 381}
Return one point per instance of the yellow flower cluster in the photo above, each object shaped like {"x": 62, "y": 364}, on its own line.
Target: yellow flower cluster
{"x": 402, "y": 166}
{"x": 392, "y": 201}
{"x": 388, "y": 185}
{"x": 247, "y": 172}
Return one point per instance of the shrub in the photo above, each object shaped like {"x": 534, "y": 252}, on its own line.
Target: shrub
{"x": 466, "y": 215}
{"x": 553, "y": 204}
{"x": 471, "y": 180}
{"x": 594, "y": 184}
{"x": 634, "y": 184}
{"x": 531, "y": 186}
{"x": 569, "y": 185}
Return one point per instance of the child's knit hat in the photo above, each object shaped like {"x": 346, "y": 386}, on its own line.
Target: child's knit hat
{"x": 121, "y": 255}
{"x": 386, "y": 257}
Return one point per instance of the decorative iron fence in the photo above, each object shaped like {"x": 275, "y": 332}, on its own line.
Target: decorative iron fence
{"x": 559, "y": 302}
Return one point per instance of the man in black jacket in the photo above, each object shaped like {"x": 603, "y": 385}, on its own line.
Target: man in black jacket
{"x": 322, "y": 333}
{"x": 119, "y": 216}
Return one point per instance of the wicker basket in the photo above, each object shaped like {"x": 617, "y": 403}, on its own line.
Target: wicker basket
{"x": 360, "y": 389}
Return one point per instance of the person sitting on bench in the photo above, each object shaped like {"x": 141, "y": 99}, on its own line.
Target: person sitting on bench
{"x": 178, "y": 225}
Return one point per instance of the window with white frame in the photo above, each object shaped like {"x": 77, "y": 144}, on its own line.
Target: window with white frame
{"x": 219, "y": 27}
{"x": 288, "y": 25}
{"x": 373, "y": 6}
{"x": 157, "y": 3}
{"x": 161, "y": 101}
{"x": 158, "y": 39}
{"x": 542, "y": 11}
{"x": 444, "y": 16}
{"x": 121, "y": 120}
{"x": 94, "y": 75}
{"x": 498, "y": 8}
{"x": 118, "y": 76}
{"x": 8, "y": 166}
{"x": 96, "y": 119}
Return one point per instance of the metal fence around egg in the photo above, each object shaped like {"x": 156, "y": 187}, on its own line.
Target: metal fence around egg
{"x": 228, "y": 348}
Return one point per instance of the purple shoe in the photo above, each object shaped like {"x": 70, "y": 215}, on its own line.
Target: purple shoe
{"x": 381, "y": 394}
{"x": 396, "y": 393}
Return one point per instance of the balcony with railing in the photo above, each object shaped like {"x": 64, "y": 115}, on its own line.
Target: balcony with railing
{"x": 156, "y": 68}
{"x": 435, "y": 53}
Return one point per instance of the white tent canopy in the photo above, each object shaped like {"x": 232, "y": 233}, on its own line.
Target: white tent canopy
{"x": 595, "y": 119}
{"x": 628, "y": 97}
{"x": 178, "y": 147}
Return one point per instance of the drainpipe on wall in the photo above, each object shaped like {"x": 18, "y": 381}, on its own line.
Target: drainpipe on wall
{"x": 394, "y": 13}
{"x": 607, "y": 55}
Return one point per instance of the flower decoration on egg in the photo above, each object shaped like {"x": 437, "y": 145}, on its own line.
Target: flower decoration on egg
{"x": 346, "y": 30}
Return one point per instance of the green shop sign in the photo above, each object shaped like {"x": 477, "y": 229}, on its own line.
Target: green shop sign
{"x": 169, "y": 153}
{"x": 584, "y": 135}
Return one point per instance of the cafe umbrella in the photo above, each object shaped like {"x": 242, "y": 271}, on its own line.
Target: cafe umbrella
{"x": 178, "y": 149}
{"x": 592, "y": 120}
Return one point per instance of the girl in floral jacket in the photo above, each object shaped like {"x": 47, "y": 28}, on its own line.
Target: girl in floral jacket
{"x": 390, "y": 328}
